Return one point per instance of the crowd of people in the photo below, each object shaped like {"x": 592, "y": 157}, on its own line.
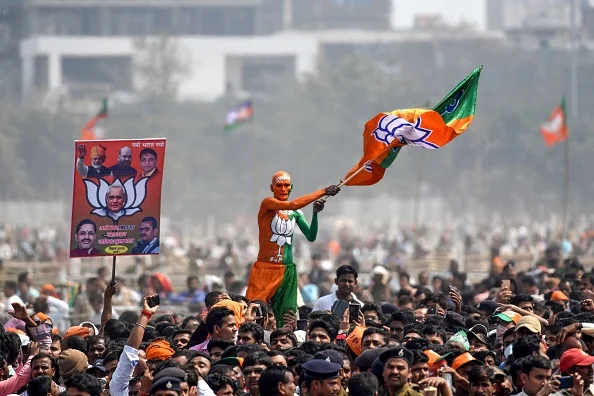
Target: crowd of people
{"x": 525, "y": 333}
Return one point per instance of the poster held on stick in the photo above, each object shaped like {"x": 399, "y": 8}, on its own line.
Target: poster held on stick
{"x": 116, "y": 199}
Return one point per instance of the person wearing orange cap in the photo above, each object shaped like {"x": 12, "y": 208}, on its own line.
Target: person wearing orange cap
{"x": 80, "y": 331}
{"x": 157, "y": 352}
{"x": 97, "y": 159}
{"x": 274, "y": 275}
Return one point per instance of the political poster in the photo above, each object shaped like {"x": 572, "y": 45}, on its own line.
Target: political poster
{"x": 116, "y": 197}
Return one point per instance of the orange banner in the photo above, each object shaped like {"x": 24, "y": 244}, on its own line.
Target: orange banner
{"x": 116, "y": 197}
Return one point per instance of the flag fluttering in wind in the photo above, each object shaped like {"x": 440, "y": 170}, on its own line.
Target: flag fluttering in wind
{"x": 385, "y": 134}
{"x": 239, "y": 115}
{"x": 94, "y": 129}
{"x": 555, "y": 130}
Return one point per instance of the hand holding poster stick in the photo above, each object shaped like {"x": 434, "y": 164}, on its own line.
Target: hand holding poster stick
{"x": 348, "y": 179}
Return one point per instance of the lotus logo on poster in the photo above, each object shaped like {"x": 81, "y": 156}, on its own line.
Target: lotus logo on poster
{"x": 116, "y": 200}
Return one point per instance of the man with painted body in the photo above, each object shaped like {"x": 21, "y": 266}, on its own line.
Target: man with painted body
{"x": 274, "y": 275}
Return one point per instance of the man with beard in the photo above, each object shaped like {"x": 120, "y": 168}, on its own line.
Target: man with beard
{"x": 123, "y": 168}
{"x": 97, "y": 159}
{"x": 84, "y": 235}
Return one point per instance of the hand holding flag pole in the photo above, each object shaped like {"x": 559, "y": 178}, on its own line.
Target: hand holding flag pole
{"x": 348, "y": 179}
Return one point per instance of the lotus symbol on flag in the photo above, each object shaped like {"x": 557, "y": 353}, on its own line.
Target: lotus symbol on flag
{"x": 130, "y": 196}
{"x": 282, "y": 230}
{"x": 390, "y": 128}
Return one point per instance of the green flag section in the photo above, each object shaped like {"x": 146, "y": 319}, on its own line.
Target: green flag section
{"x": 385, "y": 134}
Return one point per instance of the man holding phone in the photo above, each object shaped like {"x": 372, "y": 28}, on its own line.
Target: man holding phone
{"x": 346, "y": 280}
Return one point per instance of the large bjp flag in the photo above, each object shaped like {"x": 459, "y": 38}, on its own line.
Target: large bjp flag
{"x": 385, "y": 134}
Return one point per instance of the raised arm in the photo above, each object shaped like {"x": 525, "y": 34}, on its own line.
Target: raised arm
{"x": 310, "y": 231}
{"x": 298, "y": 203}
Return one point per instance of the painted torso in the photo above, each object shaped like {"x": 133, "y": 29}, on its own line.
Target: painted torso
{"x": 276, "y": 228}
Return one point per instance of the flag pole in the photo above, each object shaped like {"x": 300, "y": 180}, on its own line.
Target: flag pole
{"x": 574, "y": 110}
{"x": 348, "y": 179}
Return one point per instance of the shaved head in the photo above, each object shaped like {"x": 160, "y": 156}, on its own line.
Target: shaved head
{"x": 280, "y": 176}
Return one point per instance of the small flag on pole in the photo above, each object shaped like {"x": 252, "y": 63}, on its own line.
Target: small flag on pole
{"x": 555, "y": 130}
{"x": 239, "y": 115}
{"x": 94, "y": 129}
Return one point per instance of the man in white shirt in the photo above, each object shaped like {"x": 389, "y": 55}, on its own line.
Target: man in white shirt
{"x": 10, "y": 293}
{"x": 346, "y": 280}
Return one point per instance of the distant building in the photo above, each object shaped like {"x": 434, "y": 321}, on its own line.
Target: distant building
{"x": 76, "y": 48}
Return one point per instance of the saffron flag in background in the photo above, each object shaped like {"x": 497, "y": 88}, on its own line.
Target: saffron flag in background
{"x": 94, "y": 129}
{"x": 239, "y": 115}
{"x": 385, "y": 134}
{"x": 555, "y": 130}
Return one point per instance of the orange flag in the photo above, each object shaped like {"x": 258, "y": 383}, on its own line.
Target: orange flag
{"x": 93, "y": 129}
{"x": 555, "y": 130}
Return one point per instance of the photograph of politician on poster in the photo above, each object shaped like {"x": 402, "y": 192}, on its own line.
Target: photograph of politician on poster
{"x": 116, "y": 209}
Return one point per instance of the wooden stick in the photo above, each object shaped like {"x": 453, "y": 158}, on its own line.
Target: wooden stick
{"x": 348, "y": 179}
{"x": 113, "y": 269}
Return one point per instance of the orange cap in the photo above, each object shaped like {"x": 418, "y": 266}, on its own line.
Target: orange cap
{"x": 80, "y": 331}
{"x": 559, "y": 296}
{"x": 463, "y": 359}
{"x": 159, "y": 349}
{"x": 49, "y": 289}
{"x": 40, "y": 317}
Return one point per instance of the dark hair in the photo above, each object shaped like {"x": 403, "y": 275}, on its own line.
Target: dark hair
{"x": 249, "y": 348}
{"x": 219, "y": 343}
{"x": 254, "y": 328}
{"x": 86, "y": 383}
{"x": 217, "y": 381}
{"x": 330, "y": 329}
{"x": 437, "y": 298}
{"x": 83, "y": 222}
{"x": 284, "y": 332}
{"x": 92, "y": 340}
{"x": 432, "y": 329}
{"x": 115, "y": 329}
{"x": 520, "y": 298}
{"x": 211, "y": 298}
{"x": 257, "y": 358}
{"x": 374, "y": 330}
{"x": 11, "y": 285}
{"x": 535, "y": 362}
{"x": 276, "y": 352}
{"x": 406, "y": 316}
{"x": 363, "y": 384}
{"x": 221, "y": 369}
{"x": 187, "y": 353}
{"x": 419, "y": 357}
{"x": 147, "y": 151}
{"x": 41, "y": 385}
{"x": 420, "y": 344}
{"x": 112, "y": 355}
{"x": 215, "y": 317}
{"x": 187, "y": 320}
{"x": 75, "y": 342}
{"x": 22, "y": 277}
{"x": 150, "y": 219}
{"x": 43, "y": 355}
{"x": 479, "y": 374}
{"x": 271, "y": 378}
{"x": 129, "y": 317}
{"x": 165, "y": 364}
{"x": 526, "y": 346}
{"x": 345, "y": 270}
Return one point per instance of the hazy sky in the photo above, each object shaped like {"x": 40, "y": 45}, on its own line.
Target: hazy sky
{"x": 452, "y": 11}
